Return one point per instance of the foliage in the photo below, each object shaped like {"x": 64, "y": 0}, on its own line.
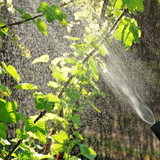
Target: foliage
{"x": 72, "y": 75}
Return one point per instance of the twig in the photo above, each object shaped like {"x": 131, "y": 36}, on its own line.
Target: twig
{"x": 23, "y": 21}
{"x": 13, "y": 149}
{"x": 105, "y": 3}
{"x": 42, "y": 113}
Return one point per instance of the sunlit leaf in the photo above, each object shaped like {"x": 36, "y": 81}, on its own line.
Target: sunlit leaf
{"x": 128, "y": 32}
{"x": 87, "y": 152}
{"x": 12, "y": 71}
{"x": 26, "y": 86}
{"x": 72, "y": 38}
{"x": 52, "y": 13}
{"x": 61, "y": 137}
{"x": 26, "y": 16}
{"x": 93, "y": 106}
{"x": 93, "y": 69}
{"x": 5, "y": 89}
{"x": 46, "y": 102}
{"x": 76, "y": 120}
{"x": 130, "y": 4}
{"x": 3, "y": 130}
{"x": 41, "y": 26}
{"x": 56, "y": 60}
{"x": 80, "y": 15}
{"x": 21, "y": 134}
{"x": 44, "y": 58}
{"x": 4, "y": 141}
{"x": 103, "y": 50}
{"x": 53, "y": 84}
{"x": 8, "y": 112}
{"x": 38, "y": 129}
{"x": 70, "y": 60}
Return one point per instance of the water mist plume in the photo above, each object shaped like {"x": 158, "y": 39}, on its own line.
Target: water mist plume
{"x": 120, "y": 81}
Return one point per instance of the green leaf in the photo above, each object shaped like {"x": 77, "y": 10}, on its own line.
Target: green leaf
{"x": 52, "y": 13}
{"x": 72, "y": 38}
{"x": 26, "y": 16}
{"x": 5, "y": 89}
{"x": 103, "y": 50}
{"x": 12, "y": 71}
{"x": 131, "y": 5}
{"x": 61, "y": 139}
{"x": 52, "y": 98}
{"x": 44, "y": 58}
{"x": 72, "y": 93}
{"x": 53, "y": 84}
{"x": 93, "y": 106}
{"x": 79, "y": 48}
{"x": 128, "y": 32}
{"x": 87, "y": 152}
{"x": 4, "y": 141}
{"x": 2, "y": 71}
{"x": 26, "y": 86}
{"x": 93, "y": 69}
{"x": 3, "y": 130}
{"x": 38, "y": 129}
{"x": 56, "y": 60}
{"x": 46, "y": 156}
{"x": 41, "y": 26}
{"x": 78, "y": 135}
{"x": 46, "y": 102}
{"x": 88, "y": 30}
{"x": 20, "y": 10}
{"x": 76, "y": 120}
{"x": 70, "y": 61}
{"x": 80, "y": 15}
{"x": 8, "y": 112}
{"x": 22, "y": 134}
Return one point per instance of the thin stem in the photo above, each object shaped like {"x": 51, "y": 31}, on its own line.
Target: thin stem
{"x": 23, "y": 21}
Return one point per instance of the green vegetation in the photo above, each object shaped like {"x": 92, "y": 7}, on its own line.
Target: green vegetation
{"x": 71, "y": 78}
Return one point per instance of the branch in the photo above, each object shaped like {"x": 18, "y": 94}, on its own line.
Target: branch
{"x": 29, "y": 19}
{"x": 13, "y": 149}
{"x": 23, "y": 21}
{"x": 105, "y": 3}
{"x": 106, "y": 36}
{"x": 42, "y": 113}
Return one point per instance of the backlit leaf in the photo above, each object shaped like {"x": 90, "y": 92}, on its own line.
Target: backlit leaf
{"x": 72, "y": 38}
{"x": 93, "y": 69}
{"x": 8, "y": 112}
{"x": 3, "y": 130}
{"x": 76, "y": 120}
{"x": 70, "y": 60}
{"x": 12, "y": 71}
{"x": 52, "y": 13}
{"x": 44, "y": 58}
{"x": 41, "y": 26}
{"x": 103, "y": 50}
{"x": 20, "y": 10}
{"x": 53, "y": 84}
{"x": 5, "y": 89}
{"x": 130, "y": 4}
{"x": 87, "y": 152}
{"x": 26, "y": 86}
